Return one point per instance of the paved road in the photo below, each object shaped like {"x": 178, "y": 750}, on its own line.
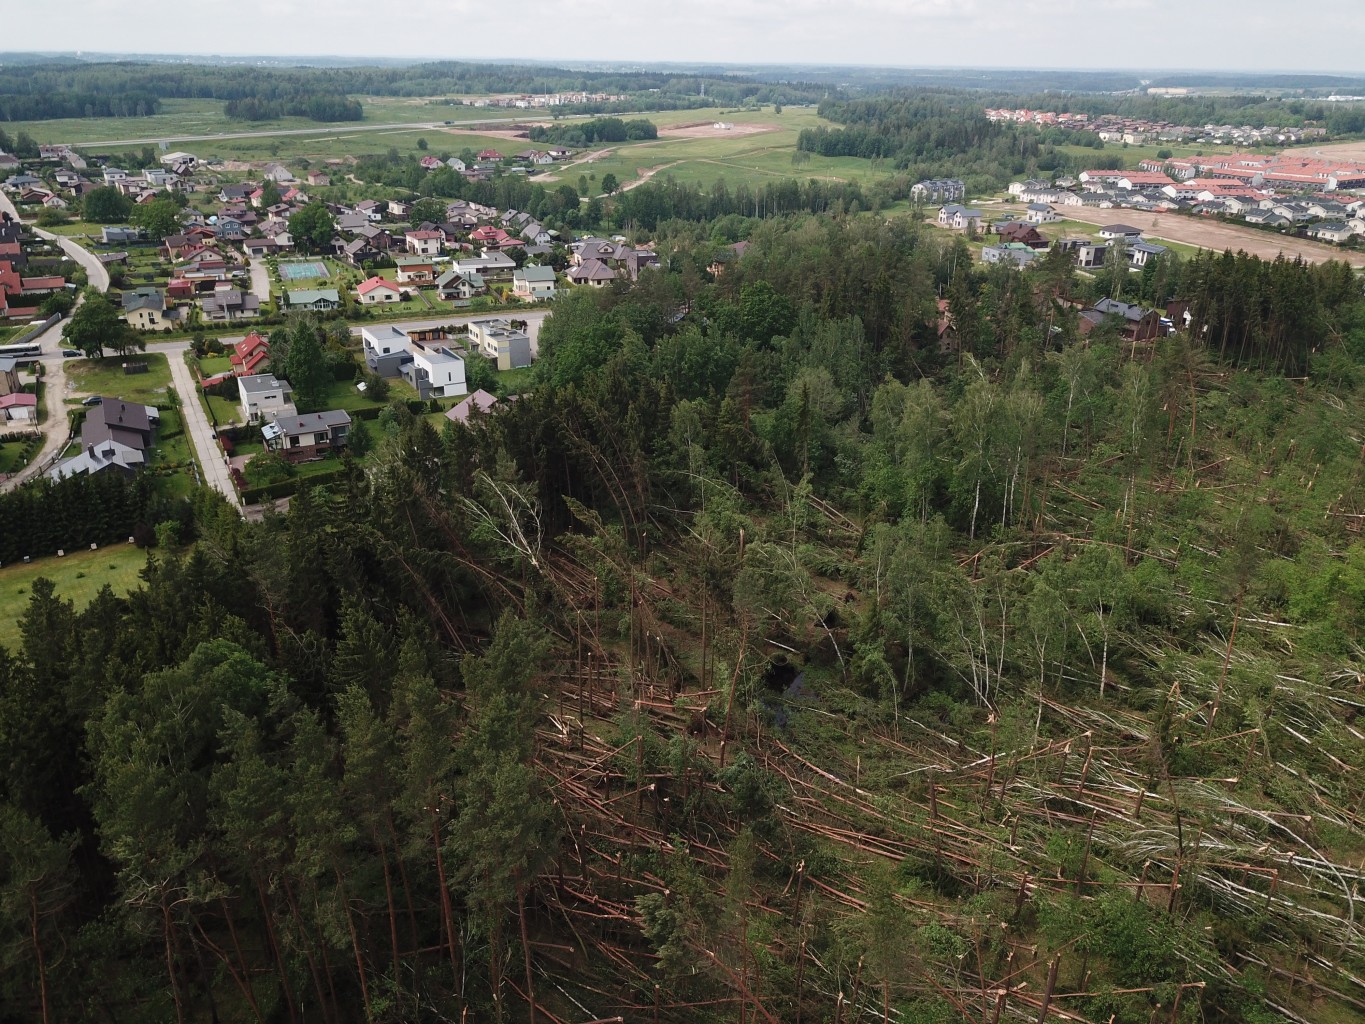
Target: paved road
{"x": 260, "y": 281}
{"x": 96, "y": 272}
{"x": 198, "y": 428}
{"x": 341, "y": 127}
{"x": 54, "y": 429}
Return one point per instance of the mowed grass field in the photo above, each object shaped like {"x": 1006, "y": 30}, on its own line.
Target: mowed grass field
{"x": 78, "y": 577}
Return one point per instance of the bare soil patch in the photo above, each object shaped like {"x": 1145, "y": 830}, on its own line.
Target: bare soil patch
{"x": 1210, "y": 234}
{"x": 708, "y": 130}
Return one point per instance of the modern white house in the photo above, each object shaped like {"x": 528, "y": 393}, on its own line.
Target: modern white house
{"x": 435, "y": 371}
{"x": 264, "y": 396}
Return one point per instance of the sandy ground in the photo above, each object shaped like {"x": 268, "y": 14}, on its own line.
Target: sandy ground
{"x": 1336, "y": 150}
{"x": 708, "y": 130}
{"x": 1210, "y": 234}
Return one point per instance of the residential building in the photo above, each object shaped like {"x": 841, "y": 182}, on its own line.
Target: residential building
{"x": 18, "y": 407}
{"x": 459, "y": 285}
{"x": 128, "y": 423}
{"x": 318, "y": 300}
{"x": 535, "y": 284}
{"x": 1139, "y": 323}
{"x": 424, "y": 243}
{"x": 386, "y": 349}
{"x": 960, "y": 218}
{"x": 264, "y": 396}
{"x": 1139, "y": 253}
{"x": 377, "y": 291}
{"x": 228, "y": 304}
{"x": 249, "y": 356}
{"x": 938, "y": 190}
{"x": 1009, "y": 252}
{"x": 1124, "y": 232}
{"x": 478, "y": 403}
{"x": 310, "y": 436}
{"x": 145, "y": 310}
{"x": 592, "y": 272}
{"x": 500, "y": 341}
{"x": 418, "y": 270}
{"x": 1040, "y": 213}
{"x": 435, "y": 370}
{"x": 99, "y": 457}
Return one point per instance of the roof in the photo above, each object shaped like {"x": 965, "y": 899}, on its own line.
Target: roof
{"x": 260, "y": 383}
{"x": 307, "y": 296}
{"x": 426, "y": 235}
{"x": 1121, "y": 229}
{"x": 536, "y": 275}
{"x": 1123, "y": 309}
{"x": 98, "y": 456}
{"x": 18, "y": 399}
{"x": 480, "y": 400}
{"x": 307, "y": 423}
{"x": 375, "y": 283}
{"x": 143, "y": 298}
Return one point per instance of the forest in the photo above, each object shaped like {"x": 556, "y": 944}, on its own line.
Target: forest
{"x": 767, "y": 660}
{"x": 64, "y": 89}
{"x": 589, "y": 133}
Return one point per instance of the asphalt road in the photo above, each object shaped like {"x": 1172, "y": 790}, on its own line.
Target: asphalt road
{"x": 197, "y": 426}
{"x": 334, "y": 128}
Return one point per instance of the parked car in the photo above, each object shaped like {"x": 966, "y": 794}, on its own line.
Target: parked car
{"x": 92, "y": 400}
{"x": 72, "y": 353}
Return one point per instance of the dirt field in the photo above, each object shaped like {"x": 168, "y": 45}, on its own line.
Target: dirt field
{"x": 1336, "y": 150}
{"x": 708, "y": 130}
{"x": 1208, "y": 234}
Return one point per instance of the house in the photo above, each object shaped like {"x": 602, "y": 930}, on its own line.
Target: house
{"x": 55, "y": 203}
{"x": 434, "y": 371}
{"x": 319, "y": 300}
{"x": 128, "y": 423}
{"x": 1039, "y": 213}
{"x": 490, "y": 264}
{"x": 113, "y": 175}
{"x": 145, "y": 309}
{"x": 18, "y": 407}
{"x": 459, "y": 285}
{"x": 594, "y": 273}
{"x": 376, "y": 291}
{"x": 399, "y": 208}
{"x": 1024, "y": 234}
{"x": 249, "y": 356}
{"x": 478, "y": 403}
{"x": 1139, "y": 253}
{"x": 489, "y": 154}
{"x": 99, "y": 457}
{"x": 1139, "y": 324}
{"x": 319, "y": 179}
{"x": 259, "y": 248}
{"x": 235, "y": 193}
{"x": 119, "y": 234}
{"x": 1088, "y": 254}
{"x": 500, "y": 341}
{"x": 226, "y": 304}
{"x": 430, "y": 163}
{"x": 1331, "y": 231}
{"x": 386, "y": 349}
{"x": 419, "y": 270}
{"x": 1017, "y": 253}
{"x": 424, "y": 243}
{"x": 960, "y": 218}
{"x": 534, "y": 283}
{"x": 938, "y": 190}
{"x": 1123, "y": 232}
{"x": 370, "y": 209}
{"x": 455, "y": 164}
{"x": 9, "y": 376}
{"x": 264, "y": 396}
{"x": 535, "y": 234}
{"x": 311, "y": 436}
{"x": 278, "y": 173}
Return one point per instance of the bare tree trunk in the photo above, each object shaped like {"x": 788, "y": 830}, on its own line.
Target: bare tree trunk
{"x": 526, "y": 953}
{"x": 33, "y": 918}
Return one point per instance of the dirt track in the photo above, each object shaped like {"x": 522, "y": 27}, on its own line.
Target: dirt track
{"x": 1211, "y": 234}
{"x": 710, "y": 131}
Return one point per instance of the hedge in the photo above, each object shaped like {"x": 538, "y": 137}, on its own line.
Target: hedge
{"x": 285, "y": 488}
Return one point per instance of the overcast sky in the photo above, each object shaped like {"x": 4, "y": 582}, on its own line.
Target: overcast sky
{"x": 1195, "y": 34}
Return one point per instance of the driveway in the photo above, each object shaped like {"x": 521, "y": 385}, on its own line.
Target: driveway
{"x": 197, "y": 426}
{"x": 260, "y": 281}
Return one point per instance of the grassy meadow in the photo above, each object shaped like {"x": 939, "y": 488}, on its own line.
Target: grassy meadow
{"x": 78, "y": 578}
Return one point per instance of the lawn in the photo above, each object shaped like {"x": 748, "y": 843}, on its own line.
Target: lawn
{"x": 15, "y": 454}
{"x": 106, "y": 377}
{"x": 78, "y": 578}
{"x": 211, "y": 366}
{"x": 342, "y": 394}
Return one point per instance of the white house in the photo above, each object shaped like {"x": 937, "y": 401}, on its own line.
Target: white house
{"x": 435, "y": 370}
{"x": 377, "y": 291}
{"x": 1040, "y": 213}
{"x": 264, "y": 396}
{"x": 960, "y": 218}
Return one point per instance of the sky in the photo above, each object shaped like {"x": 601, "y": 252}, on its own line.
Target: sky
{"x": 1092, "y": 34}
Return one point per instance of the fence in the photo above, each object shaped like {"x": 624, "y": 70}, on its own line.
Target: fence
{"x": 34, "y": 331}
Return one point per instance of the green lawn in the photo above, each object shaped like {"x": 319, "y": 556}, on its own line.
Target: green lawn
{"x": 211, "y": 366}
{"x": 78, "y": 577}
{"x": 221, "y": 411}
{"x": 15, "y": 454}
{"x": 106, "y": 377}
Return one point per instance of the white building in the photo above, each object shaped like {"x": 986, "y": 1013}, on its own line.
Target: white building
{"x": 264, "y": 396}
{"x": 435, "y": 370}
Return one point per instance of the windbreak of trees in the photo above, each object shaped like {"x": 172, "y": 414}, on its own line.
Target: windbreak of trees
{"x": 588, "y": 133}
{"x": 316, "y": 107}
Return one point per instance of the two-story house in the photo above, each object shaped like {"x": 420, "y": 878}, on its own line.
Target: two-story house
{"x": 263, "y": 396}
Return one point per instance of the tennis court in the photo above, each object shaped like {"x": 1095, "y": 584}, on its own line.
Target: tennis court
{"x": 300, "y": 271}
